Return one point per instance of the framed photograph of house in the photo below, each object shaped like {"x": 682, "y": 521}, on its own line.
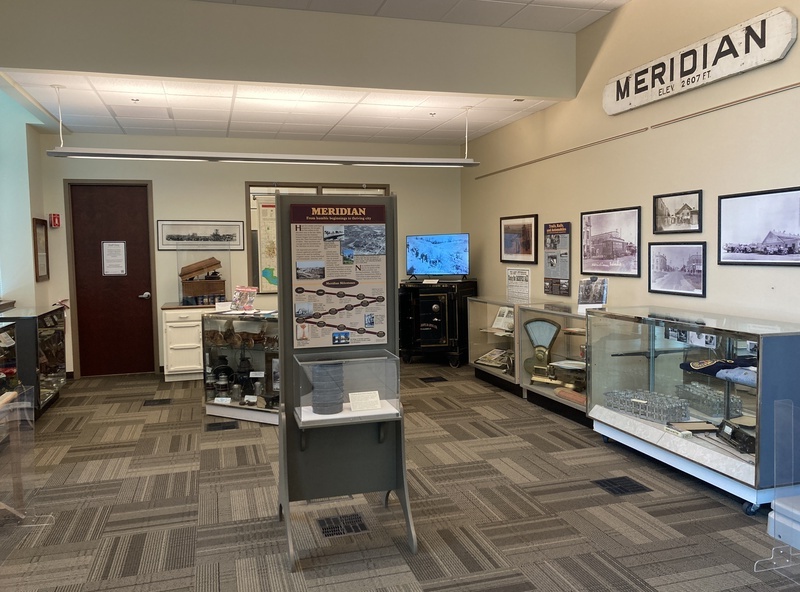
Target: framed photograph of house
{"x": 200, "y": 235}
{"x": 610, "y": 242}
{"x": 678, "y": 212}
{"x": 760, "y": 228}
{"x": 677, "y": 268}
{"x": 519, "y": 239}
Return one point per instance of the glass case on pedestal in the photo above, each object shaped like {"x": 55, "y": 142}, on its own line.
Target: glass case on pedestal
{"x": 695, "y": 390}
{"x": 202, "y": 276}
{"x": 242, "y": 379}
{"x": 346, "y": 387}
{"x": 552, "y": 353}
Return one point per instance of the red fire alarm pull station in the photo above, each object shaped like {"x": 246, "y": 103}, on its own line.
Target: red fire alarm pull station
{"x": 55, "y": 220}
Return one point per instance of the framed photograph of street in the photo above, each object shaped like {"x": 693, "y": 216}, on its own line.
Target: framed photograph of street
{"x": 610, "y": 242}
{"x": 519, "y": 239}
{"x": 677, "y": 268}
{"x": 675, "y": 213}
{"x": 760, "y": 228}
{"x": 200, "y": 235}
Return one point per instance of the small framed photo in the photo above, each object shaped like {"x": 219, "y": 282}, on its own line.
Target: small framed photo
{"x": 675, "y": 213}
{"x": 610, "y": 242}
{"x": 519, "y": 239}
{"x": 678, "y": 268}
{"x": 760, "y": 228}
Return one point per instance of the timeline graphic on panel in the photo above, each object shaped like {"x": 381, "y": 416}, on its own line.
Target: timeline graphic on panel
{"x": 339, "y": 279}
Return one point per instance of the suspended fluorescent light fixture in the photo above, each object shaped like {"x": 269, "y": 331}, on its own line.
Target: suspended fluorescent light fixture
{"x": 235, "y": 157}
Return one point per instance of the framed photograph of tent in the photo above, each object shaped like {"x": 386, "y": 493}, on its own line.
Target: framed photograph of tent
{"x": 675, "y": 213}
{"x": 610, "y": 242}
{"x": 760, "y": 228}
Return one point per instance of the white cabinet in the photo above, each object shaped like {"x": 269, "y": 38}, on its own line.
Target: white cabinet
{"x": 183, "y": 342}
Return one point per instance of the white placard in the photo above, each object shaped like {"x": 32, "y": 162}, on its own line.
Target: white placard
{"x": 114, "y": 258}
{"x": 365, "y": 401}
{"x": 222, "y": 400}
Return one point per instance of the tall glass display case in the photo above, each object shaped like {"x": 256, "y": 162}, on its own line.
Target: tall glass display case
{"x": 40, "y": 351}
{"x": 241, "y": 372}
{"x": 492, "y": 338}
{"x": 8, "y": 357}
{"x": 552, "y": 353}
{"x": 695, "y": 390}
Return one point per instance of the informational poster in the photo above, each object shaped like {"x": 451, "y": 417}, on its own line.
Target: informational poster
{"x": 518, "y": 285}
{"x": 557, "y": 258}
{"x": 114, "y": 258}
{"x": 267, "y": 246}
{"x": 339, "y": 281}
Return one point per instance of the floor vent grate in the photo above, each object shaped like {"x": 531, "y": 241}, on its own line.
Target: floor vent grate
{"x": 434, "y": 379}
{"x": 621, "y": 486}
{"x": 342, "y": 525}
{"x": 156, "y": 402}
{"x": 222, "y": 425}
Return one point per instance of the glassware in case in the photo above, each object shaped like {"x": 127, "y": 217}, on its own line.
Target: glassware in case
{"x": 346, "y": 387}
{"x": 695, "y": 390}
{"x": 241, "y": 374}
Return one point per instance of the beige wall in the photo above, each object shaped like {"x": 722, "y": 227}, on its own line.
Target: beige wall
{"x": 745, "y": 147}
{"x": 428, "y": 199}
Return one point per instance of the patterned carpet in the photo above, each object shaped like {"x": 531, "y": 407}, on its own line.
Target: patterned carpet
{"x": 137, "y": 490}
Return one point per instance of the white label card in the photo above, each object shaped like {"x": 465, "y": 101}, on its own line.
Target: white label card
{"x": 222, "y": 400}
{"x": 365, "y": 401}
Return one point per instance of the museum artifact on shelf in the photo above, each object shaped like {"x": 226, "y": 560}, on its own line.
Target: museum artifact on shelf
{"x": 694, "y": 390}
{"x": 552, "y": 347}
{"x": 241, "y": 375}
{"x": 201, "y": 282}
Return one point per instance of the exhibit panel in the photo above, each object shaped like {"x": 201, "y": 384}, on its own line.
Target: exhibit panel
{"x": 241, "y": 365}
{"x": 552, "y": 353}
{"x": 695, "y": 390}
{"x": 341, "y": 429}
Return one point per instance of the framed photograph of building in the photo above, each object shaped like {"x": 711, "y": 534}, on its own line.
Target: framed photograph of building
{"x": 610, "y": 242}
{"x": 760, "y": 228}
{"x": 677, "y": 268}
{"x": 678, "y": 212}
{"x": 519, "y": 239}
{"x": 200, "y": 235}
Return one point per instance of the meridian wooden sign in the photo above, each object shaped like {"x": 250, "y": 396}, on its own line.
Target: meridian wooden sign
{"x": 761, "y": 40}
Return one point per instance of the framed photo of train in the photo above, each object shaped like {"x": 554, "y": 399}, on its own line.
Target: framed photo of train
{"x": 760, "y": 228}
{"x": 610, "y": 242}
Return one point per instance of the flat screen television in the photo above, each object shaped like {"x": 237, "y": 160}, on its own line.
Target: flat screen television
{"x": 437, "y": 254}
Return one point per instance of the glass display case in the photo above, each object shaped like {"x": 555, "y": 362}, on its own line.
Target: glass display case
{"x": 40, "y": 350}
{"x": 241, "y": 371}
{"x": 492, "y": 342}
{"x": 552, "y": 352}
{"x": 695, "y": 390}
{"x": 202, "y": 276}
{"x": 8, "y": 357}
{"x": 346, "y": 387}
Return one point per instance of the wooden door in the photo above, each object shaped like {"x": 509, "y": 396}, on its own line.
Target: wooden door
{"x": 114, "y": 307}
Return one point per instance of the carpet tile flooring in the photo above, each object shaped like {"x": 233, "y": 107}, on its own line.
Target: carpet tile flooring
{"x": 132, "y": 488}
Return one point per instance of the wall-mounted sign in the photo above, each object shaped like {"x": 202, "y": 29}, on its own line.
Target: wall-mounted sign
{"x": 762, "y": 40}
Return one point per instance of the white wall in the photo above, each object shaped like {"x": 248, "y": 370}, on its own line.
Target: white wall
{"x": 428, "y": 200}
{"x": 747, "y": 147}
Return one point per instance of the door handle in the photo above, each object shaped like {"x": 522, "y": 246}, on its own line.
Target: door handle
{"x": 145, "y": 295}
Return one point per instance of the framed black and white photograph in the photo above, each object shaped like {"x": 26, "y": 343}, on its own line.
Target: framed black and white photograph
{"x": 519, "y": 239}
{"x": 675, "y": 213}
{"x": 760, "y": 228}
{"x": 200, "y": 235}
{"x": 677, "y": 268}
{"x": 610, "y": 242}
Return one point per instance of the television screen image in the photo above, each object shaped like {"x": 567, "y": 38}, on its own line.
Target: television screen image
{"x": 437, "y": 254}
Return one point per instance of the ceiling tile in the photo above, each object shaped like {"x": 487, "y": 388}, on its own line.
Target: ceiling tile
{"x": 321, "y": 108}
{"x": 252, "y": 134}
{"x": 68, "y": 81}
{"x": 187, "y": 124}
{"x": 282, "y": 93}
{"x": 258, "y": 117}
{"x": 354, "y": 130}
{"x": 380, "y": 110}
{"x": 332, "y": 95}
{"x": 480, "y": 12}
{"x": 367, "y": 7}
{"x": 305, "y": 128}
{"x": 202, "y": 133}
{"x": 396, "y": 99}
{"x": 543, "y": 18}
{"x": 206, "y": 89}
{"x": 129, "y": 123}
{"x": 242, "y": 126}
{"x": 145, "y": 131}
{"x": 134, "y": 99}
{"x": 127, "y": 85}
{"x": 583, "y": 20}
{"x": 179, "y": 113}
{"x": 276, "y": 106}
{"x": 425, "y": 10}
{"x": 138, "y": 112}
{"x": 273, "y": 3}
{"x": 313, "y": 118}
{"x": 200, "y": 102}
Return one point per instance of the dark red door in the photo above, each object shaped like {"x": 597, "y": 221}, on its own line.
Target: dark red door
{"x": 113, "y": 302}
